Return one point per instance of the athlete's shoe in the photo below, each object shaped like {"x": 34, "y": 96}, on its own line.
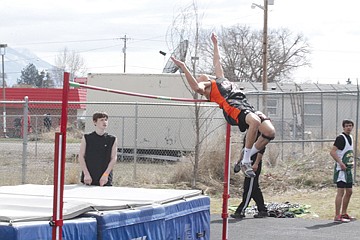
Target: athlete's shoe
{"x": 346, "y": 216}
{"x": 237, "y": 215}
{"x": 340, "y": 219}
{"x": 247, "y": 169}
{"x": 237, "y": 166}
{"x": 261, "y": 214}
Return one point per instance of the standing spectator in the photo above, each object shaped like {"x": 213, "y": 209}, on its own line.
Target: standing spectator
{"x": 252, "y": 189}
{"x": 17, "y": 127}
{"x": 98, "y": 153}
{"x": 342, "y": 153}
{"x": 47, "y": 122}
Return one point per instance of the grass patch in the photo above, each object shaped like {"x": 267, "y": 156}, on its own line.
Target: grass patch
{"x": 296, "y": 178}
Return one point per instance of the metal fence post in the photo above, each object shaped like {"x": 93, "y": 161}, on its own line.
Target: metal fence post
{"x": 122, "y": 138}
{"x": 356, "y": 131}
{"x": 25, "y": 139}
{"x": 282, "y": 124}
{"x": 302, "y": 115}
{"x": 135, "y": 138}
{"x": 36, "y": 136}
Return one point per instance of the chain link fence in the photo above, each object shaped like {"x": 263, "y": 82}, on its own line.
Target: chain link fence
{"x": 156, "y": 141}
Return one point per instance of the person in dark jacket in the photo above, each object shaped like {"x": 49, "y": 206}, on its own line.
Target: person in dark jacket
{"x": 252, "y": 190}
{"x": 47, "y": 122}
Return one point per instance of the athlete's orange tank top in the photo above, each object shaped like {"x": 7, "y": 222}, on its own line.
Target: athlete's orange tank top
{"x": 229, "y": 98}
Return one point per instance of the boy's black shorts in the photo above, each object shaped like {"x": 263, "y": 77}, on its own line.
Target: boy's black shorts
{"x": 342, "y": 184}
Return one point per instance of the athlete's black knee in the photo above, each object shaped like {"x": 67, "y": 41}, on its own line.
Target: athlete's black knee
{"x": 267, "y": 137}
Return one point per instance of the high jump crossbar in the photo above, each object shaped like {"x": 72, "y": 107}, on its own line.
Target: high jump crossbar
{"x": 78, "y": 85}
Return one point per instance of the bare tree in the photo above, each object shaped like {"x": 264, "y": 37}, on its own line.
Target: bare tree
{"x": 241, "y": 50}
{"x": 287, "y": 52}
{"x": 186, "y": 26}
{"x": 69, "y": 61}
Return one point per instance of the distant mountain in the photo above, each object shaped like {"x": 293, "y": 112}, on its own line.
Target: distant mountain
{"x": 17, "y": 60}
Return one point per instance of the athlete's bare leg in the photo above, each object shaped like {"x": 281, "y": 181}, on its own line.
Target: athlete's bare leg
{"x": 267, "y": 129}
{"x": 346, "y": 200}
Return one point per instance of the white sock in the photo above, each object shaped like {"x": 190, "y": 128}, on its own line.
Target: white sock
{"x": 246, "y": 158}
{"x": 253, "y": 150}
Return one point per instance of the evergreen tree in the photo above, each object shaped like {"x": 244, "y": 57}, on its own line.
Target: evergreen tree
{"x": 31, "y": 76}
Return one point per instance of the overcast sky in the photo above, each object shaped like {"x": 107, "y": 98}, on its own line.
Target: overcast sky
{"x": 94, "y": 28}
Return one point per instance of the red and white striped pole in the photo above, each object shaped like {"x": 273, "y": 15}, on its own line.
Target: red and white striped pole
{"x": 59, "y": 165}
{"x": 73, "y": 84}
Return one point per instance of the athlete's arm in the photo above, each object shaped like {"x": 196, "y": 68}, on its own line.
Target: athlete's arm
{"x": 334, "y": 155}
{"x": 198, "y": 87}
{"x": 219, "y": 72}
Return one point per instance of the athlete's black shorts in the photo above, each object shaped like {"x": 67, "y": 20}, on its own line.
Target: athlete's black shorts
{"x": 242, "y": 123}
{"x": 342, "y": 184}
{"x": 241, "y": 120}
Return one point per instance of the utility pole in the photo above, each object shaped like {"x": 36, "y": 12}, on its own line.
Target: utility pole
{"x": 264, "y": 50}
{"x": 2, "y": 52}
{"x": 125, "y": 38}
{"x": 265, "y": 58}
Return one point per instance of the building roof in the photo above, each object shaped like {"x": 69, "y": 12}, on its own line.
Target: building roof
{"x": 293, "y": 87}
{"x": 44, "y": 95}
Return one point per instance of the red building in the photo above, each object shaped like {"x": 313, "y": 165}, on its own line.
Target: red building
{"x": 41, "y": 101}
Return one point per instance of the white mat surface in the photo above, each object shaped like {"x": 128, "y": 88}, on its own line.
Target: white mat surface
{"x": 35, "y": 202}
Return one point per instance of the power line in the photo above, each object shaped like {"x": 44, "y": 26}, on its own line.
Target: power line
{"x": 69, "y": 41}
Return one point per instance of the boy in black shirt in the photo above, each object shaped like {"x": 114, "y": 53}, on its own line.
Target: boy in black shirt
{"x": 98, "y": 153}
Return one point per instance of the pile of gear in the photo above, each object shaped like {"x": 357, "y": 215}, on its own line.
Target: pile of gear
{"x": 280, "y": 210}
{"x": 287, "y": 209}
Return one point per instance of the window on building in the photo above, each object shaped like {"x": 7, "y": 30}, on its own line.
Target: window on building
{"x": 312, "y": 114}
{"x": 272, "y": 107}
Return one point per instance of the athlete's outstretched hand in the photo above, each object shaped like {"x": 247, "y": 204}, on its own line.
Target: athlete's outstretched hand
{"x": 214, "y": 38}
{"x": 178, "y": 62}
